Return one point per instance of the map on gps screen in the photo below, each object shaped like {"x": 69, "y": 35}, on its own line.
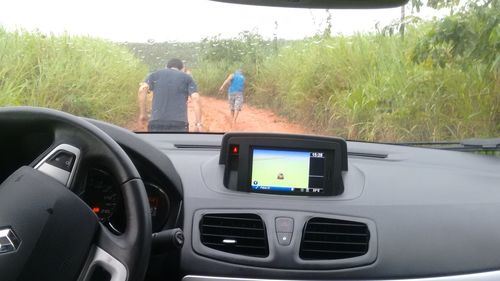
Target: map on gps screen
{"x": 280, "y": 169}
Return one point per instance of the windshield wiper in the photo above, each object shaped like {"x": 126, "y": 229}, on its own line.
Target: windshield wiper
{"x": 482, "y": 144}
{"x": 468, "y": 145}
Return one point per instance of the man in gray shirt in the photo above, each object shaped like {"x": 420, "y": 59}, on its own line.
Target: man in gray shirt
{"x": 171, "y": 88}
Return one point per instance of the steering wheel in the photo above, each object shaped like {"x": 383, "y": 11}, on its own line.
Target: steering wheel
{"x": 46, "y": 231}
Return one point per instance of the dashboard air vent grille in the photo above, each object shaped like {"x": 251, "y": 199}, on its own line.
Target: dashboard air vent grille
{"x": 241, "y": 234}
{"x": 331, "y": 239}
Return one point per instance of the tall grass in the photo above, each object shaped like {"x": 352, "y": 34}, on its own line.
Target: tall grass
{"x": 367, "y": 87}
{"x": 210, "y": 75}
{"x": 84, "y": 76}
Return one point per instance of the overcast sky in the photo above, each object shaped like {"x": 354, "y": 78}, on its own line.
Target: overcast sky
{"x": 181, "y": 20}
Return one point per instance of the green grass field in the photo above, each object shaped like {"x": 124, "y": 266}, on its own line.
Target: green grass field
{"x": 439, "y": 82}
{"x": 85, "y": 76}
{"x": 268, "y": 165}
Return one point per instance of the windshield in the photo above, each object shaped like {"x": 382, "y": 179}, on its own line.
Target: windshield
{"x": 428, "y": 71}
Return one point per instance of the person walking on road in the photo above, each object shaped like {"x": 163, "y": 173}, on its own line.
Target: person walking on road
{"x": 236, "y": 83}
{"x": 171, "y": 89}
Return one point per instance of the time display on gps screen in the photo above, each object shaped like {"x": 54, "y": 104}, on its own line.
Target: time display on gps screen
{"x": 287, "y": 170}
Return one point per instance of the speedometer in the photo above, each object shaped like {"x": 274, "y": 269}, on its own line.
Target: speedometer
{"x": 159, "y": 204}
{"x": 103, "y": 196}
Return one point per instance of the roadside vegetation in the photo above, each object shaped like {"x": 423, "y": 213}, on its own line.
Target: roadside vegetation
{"x": 84, "y": 76}
{"x": 156, "y": 54}
{"x": 413, "y": 80}
{"x": 438, "y": 80}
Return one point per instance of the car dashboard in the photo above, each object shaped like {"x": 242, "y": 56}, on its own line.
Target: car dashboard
{"x": 405, "y": 213}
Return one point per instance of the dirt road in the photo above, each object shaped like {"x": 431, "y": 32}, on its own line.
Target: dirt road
{"x": 216, "y": 118}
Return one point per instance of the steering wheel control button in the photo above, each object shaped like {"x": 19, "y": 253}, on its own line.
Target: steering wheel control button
{"x": 60, "y": 163}
{"x": 284, "y": 239}
{"x": 63, "y": 160}
{"x": 59, "y": 174}
{"x": 284, "y": 225}
{"x": 9, "y": 242}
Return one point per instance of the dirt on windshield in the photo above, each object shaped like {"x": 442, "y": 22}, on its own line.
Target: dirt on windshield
{"x": 216, "y": 118}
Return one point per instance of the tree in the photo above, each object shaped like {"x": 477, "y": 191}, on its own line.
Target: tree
{"x": 472, "y": 35}
{"x": 328, "y": 28}
{"x": 402, "y": 26}
{"x": 418, "y": 4}
{"x": 435, "y": 4}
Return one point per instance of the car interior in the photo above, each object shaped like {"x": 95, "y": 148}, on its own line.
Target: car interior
{"x": 83, "y": 199}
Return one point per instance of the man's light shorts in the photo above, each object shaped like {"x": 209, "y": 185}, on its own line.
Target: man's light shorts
{"x": 235, "y": 101}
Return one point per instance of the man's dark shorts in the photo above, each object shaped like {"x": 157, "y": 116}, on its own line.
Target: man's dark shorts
{"x": 167, "y": 126}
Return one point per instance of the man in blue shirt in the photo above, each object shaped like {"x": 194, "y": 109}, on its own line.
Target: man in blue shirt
{"x": 236, "y": 83}
{"x": 171, "y": 88}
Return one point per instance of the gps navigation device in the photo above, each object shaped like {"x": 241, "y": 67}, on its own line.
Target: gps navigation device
{"x": 284, "y": 164}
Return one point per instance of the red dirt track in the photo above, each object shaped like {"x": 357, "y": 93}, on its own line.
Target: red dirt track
{"x": 216, "y": 118}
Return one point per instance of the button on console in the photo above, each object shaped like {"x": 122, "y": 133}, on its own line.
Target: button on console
{"x": 284, "y": 239}
{"x": 284, "y": 224}
{"x": 284, "y": 230}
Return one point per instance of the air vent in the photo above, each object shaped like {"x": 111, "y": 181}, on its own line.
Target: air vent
{"x": 241, "y": 234}
{"x": 331, "y": 239}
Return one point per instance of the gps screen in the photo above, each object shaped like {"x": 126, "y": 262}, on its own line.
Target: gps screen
{"x": 287, "y": 171}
